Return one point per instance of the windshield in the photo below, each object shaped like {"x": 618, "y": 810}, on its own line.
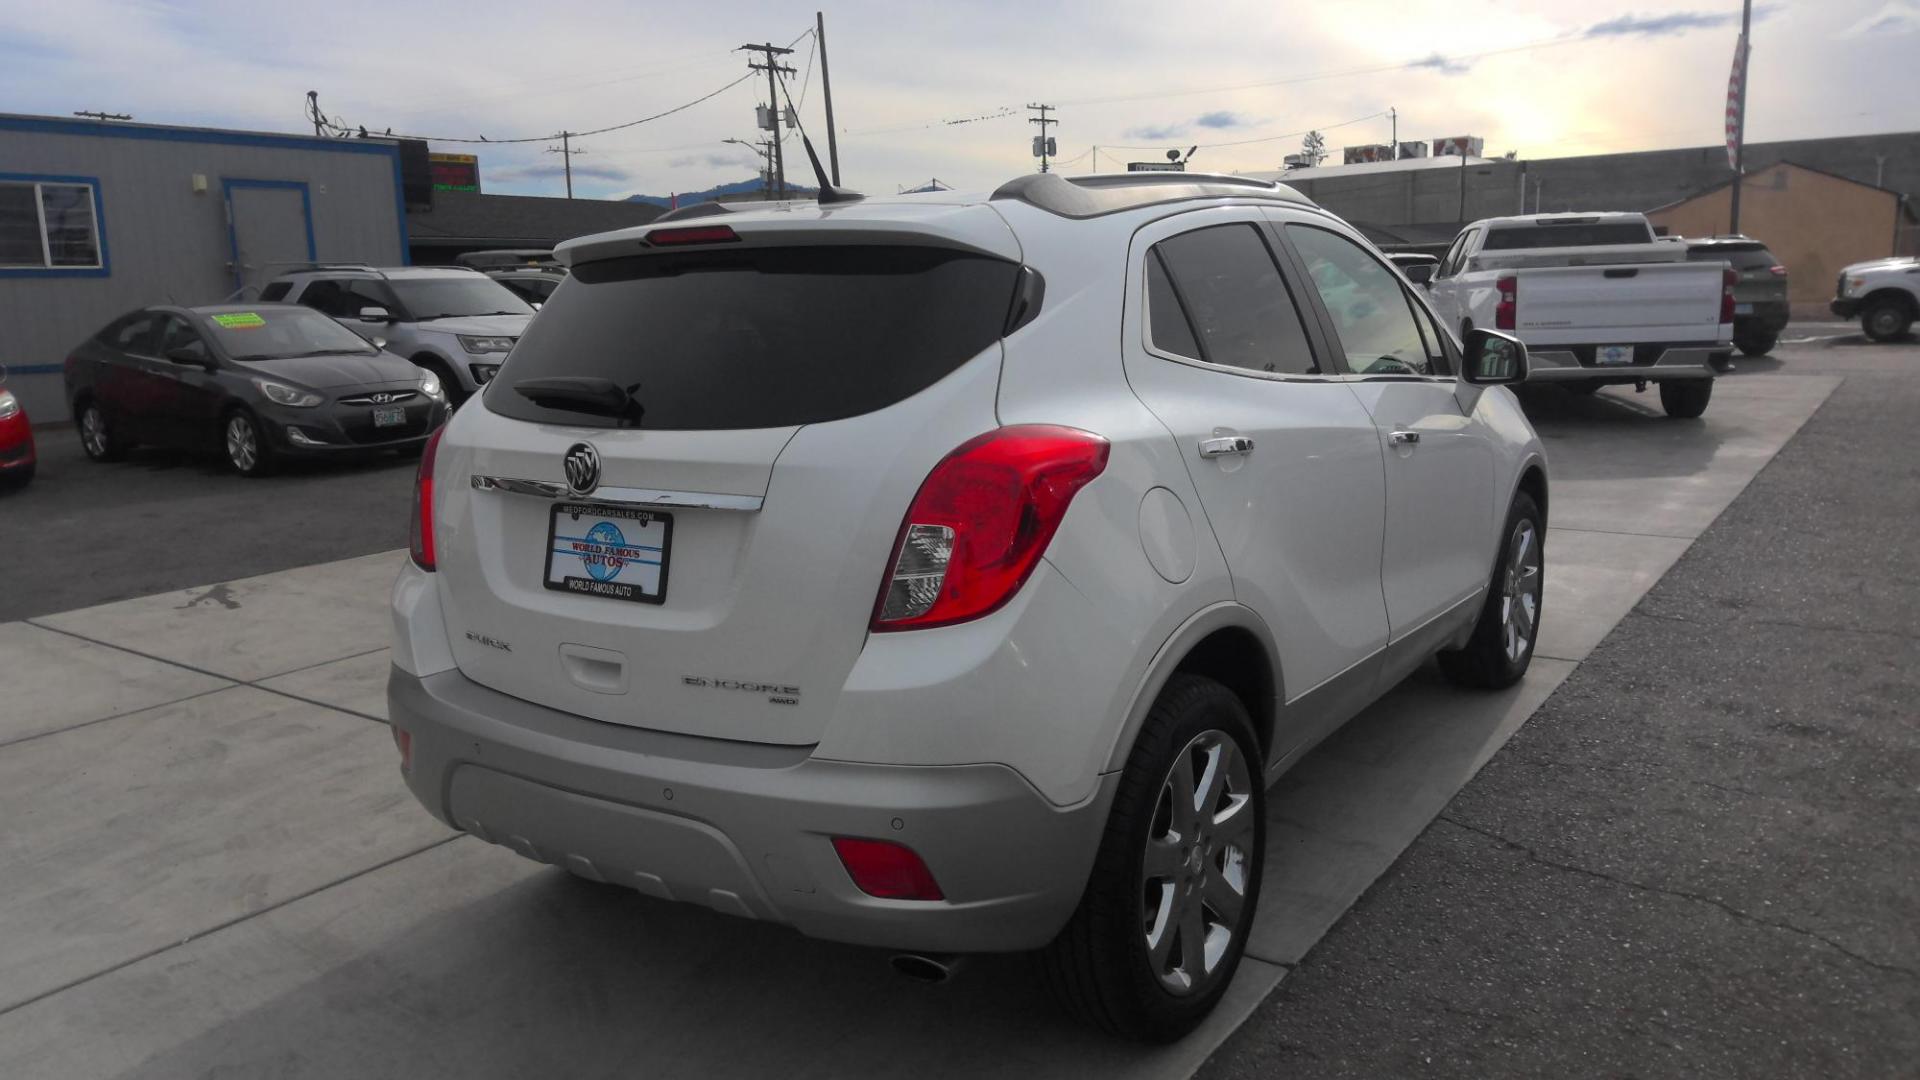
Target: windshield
{"x": 1514, "y": 237}
{"x": 451, "y": 297}
{"x": 273, "y": 332}
{"x": 765, "y": 337}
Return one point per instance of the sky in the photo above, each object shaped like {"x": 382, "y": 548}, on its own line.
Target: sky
{"x": 925, "y": 91}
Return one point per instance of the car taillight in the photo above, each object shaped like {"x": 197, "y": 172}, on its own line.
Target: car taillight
{"x": 888, "y": 870}
{"x": 422, "y": 544}
{"x": 1777, "y": 271}
{"x": 980, "y": 522}
{"x": 1728, "y": 279}
{"x": 1509, "y": 303}
{"x": 693, "y": 234}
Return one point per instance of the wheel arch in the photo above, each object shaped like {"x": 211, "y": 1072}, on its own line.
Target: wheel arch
{"x": 1895, "y": 294}
{"x": 1226, "y": 642}
{"x": 1533, "y": 482}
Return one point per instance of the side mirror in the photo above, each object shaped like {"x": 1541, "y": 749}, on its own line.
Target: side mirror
{"x": 1419, "y": 273}
{"x": 375, "y": 313}
{"x": 1490, "y": 358}
{"x": 190, "y": 356}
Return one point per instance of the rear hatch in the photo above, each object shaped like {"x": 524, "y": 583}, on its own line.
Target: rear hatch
{"x": 1670, "y": 303}
{"x": 794, "y": 385}
{"x": 1759, "y": 278}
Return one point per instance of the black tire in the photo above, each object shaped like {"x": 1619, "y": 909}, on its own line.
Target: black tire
{"x": 98, "y": 439}
{"x": 245, "y": 444}
{"x": 1490, "y": 660}
{"x": 1886, "y": 320}
{"x": 456, "y": 393}
{"x": 1756, "y": 342}
{"x": 1101, "y": 967}
{"x": 1686, "y": 399}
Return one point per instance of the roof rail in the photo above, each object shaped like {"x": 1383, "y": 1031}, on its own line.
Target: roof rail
{"x": 1110, "y": 193}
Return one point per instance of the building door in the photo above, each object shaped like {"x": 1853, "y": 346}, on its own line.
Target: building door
{"x": 269, "y": 229}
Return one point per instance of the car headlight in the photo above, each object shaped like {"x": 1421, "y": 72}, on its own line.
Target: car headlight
{"x": 9, "y": 405}
{"x": 430, "y": 385}
{"x": 486, "y": 344}
{"x": 1854, "y": 285}
{"x": 483, "y": 373}
{"x": 282, "y": 394}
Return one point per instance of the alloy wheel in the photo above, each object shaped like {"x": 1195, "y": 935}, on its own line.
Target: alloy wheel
{"x": 242, "y": 448}
{"x": 1520, "y": 591}
{"x": 1886, "y": 321}
{"x": 1199, "y": 862}
{"x": 93, "y": 432}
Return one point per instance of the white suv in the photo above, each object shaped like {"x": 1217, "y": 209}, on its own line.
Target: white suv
{"x": 954, "y": 574}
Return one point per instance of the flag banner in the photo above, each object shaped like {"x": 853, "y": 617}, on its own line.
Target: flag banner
{"x": 1736, "y": 89}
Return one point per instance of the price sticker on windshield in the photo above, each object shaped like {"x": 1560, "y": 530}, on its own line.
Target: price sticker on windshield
{"x": 240, "y": 320}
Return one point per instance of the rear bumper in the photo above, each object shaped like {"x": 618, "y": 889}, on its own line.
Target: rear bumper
{"x": 1653, "y": 363}
{"x": 1771, "y": 316}
{"x": 746, "y": 828}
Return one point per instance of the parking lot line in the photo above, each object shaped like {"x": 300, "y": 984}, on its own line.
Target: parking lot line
{"x": 254, "y": 628}
{"x": 139, "y": 832}
{"x": 355, "y": 684}
{"x": 51, "y": 682}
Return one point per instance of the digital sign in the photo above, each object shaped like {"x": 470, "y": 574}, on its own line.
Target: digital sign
{"x": 454, "y": 172}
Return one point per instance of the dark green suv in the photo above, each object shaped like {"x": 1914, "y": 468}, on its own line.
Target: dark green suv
{"x": 1760, "y": 294}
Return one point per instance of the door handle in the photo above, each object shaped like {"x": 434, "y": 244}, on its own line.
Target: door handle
{"x": 1221, "y": 447}
{"x": 1404, "y": 438}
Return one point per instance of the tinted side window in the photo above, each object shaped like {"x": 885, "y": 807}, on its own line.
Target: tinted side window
{"x": 134, "y": 333}
{"x": 1371, "y": 312}
{"x": 324, "y": 296}
{"x": 178, "y": 334}
{"x": 1242, "y": 314}
{"x": 275, "y": 291}
{"x": 1168, "y": 328}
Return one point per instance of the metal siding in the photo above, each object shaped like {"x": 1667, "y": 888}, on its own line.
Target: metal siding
{"x": 169, "y": 244}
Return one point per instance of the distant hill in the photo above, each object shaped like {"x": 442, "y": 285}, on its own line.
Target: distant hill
{"x": 744, "y": 187}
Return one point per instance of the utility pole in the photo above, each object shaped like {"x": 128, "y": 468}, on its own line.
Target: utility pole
{"x": 314, "y": 113}
{"x": 1740, "y": 114}
{"x": 765, "y": 150}
{"x": 103, "y": 115}
{"x": 1042, "y": 145}
{"x": 1393, "y": 114}
{"x": 566, "y": 150}
{"x": 826, "y": 88}
{"x": 774, "y": 70}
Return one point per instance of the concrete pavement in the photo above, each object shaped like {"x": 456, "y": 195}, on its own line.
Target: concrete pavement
{"x": 222, "y": 870}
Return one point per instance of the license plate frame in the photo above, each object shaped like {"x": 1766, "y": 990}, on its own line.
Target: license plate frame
{"x": 1612, "y": 355}
{"x": 386, "y": 416}
{"x": 576, "y": 562}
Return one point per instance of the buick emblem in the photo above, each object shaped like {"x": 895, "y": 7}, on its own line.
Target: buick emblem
{"x": 583, "y": 468}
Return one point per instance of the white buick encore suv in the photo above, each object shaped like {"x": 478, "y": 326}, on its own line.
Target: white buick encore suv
{"x": 954, "y": 573}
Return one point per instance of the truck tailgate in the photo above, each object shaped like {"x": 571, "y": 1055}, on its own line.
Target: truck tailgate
{"x": 1666, "y": 303}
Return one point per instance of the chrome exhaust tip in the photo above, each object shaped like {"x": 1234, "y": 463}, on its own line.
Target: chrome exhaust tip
{"x": 930, "y": 968}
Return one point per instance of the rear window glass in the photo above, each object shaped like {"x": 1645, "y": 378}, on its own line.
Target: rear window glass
{"x": 1513, "y": 237}
{"x": 768, "y": 337}
{"x": 1742, "y": 256}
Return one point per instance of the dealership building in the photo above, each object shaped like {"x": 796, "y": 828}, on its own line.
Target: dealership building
{"x": 98, "y": 218}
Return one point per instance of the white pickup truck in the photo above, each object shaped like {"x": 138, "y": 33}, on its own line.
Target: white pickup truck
{"x": 1596, "y": 299}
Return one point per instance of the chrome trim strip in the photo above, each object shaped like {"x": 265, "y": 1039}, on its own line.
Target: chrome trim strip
{"x": 666, "y": 500}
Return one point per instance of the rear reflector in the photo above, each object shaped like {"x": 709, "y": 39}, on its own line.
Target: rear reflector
{"x": 1507, "y": 305}
{"x": 887, "y": 870}
{"x": 693, "y": 234}
{"x": 403, "y": 741}
{"x": 422, "y": 540}
{"x": 1728, "y": 279}
{"x": 980, "y": 522}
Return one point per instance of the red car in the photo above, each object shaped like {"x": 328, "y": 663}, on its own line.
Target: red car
{"x": 16, "y": 441}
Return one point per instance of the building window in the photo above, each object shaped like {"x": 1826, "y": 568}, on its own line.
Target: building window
{"x": 48, "y": 225}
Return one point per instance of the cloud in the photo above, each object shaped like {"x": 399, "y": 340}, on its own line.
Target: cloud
{"x": 1441, "y": 64}
{"x": 1894, "y": 17}
{"x": 555, "y": 171}
{"x": 716, "y": 161}
{"x": 1218, "y": 120}
{"x": 1677, "y": 22}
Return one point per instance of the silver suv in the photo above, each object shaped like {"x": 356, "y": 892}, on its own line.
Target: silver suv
{"x": 452, "y": 321}
{"x": 953, "y": 573}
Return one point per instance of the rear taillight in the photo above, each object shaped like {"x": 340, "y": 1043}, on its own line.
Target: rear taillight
{"x": 403, "y": 742}
{"x": 981, "y": 521}
{"x": 1728, "y": 279}
{"x": 1509, "y": 303}
{"x": 422, "y": 545}
{"x": 1777, "y": 271}
{"x": 888, "y": 870}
